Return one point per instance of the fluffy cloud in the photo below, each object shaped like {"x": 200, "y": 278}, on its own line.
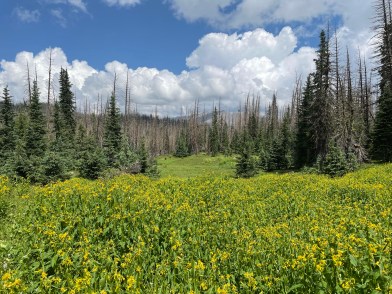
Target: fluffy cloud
{"x": 60, "y": 18}
{"x": 225, "y": 51}
{"x": 235, "y": 14}
{"x": 26, "y": 15}
{"x": 225, "y": 67}
{"x": 78, "y": 4}
{"x": 122, "y": 2}
{"x": 240, "y": 13}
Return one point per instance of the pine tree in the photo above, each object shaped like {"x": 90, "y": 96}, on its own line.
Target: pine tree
{"x": 182, "y": 149}
{"x": 382, "y": 133}
{"x": 112, "y": 135}
{"x": 304, "y": 143}
{"x": 214, "y": 134}
{"x": 321, "y": 108}
{"x": 7, "y": 136}
{"x": 246, "y": 165}
{"x": 67, "y": 107}
{"x": 20, "y": 164}
{"x": 143, "y": 158}
{"x": 35, "y": 137}
{"x": 57, "y": 121}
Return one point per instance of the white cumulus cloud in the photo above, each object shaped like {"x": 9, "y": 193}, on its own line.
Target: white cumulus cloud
{"x": 240, "y": 13}
{"x": 122, "y": 2}
{"x": 223, "y": 67}
{"x": 26, "y": 15}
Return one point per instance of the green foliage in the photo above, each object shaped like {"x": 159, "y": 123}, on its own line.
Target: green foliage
{"x": 278, "y": 156}
{"x": 64, "y": 115}
{"x": 7, "y": 136}
{"x": 127, "y": 158}
{"x": 53, "y": 167}
{"x": 182, "y": 149}
{"x": 196, "y": 165}
{"x": 35, "y": 137}
{"x": 152, "y": 168}
{"x": 321, "y": 116}
{"x": 246, "y": 165}
{"x": 336, "y": 163}
{"x": 91, "y": 164}
{"x": 304, "y": 143}
{"x": 290, "y": 233}
{"x": 143, "y": 158}
{"x": 382, "y": 133}
{"x": 213, "y": 134}
{"x": 112, "y": 134}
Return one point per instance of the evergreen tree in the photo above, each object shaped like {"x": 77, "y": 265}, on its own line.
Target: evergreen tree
{"x": 182, "y": 149}
{"x": 7, "y": 136}
{"x": 235, "y": 144}
{"x": 67, "y": 107}
{"x": 91, "y": 159}
{"x": 35, "y": 137}
{"x": 246, "y": 165}
{"x": 382, "y": 133}
{"x": 143, "y": 158}
{"x": 225, "y": 146}
{"x": 321, "y": 107}
{"x": 214, "y": 134}
{"x": 57, "y": 121}
{"x": 112, "y": 135}
{"x": 304, "y": 143}
{"x": 273, "y": 118}
{"x": 19, "y": 161}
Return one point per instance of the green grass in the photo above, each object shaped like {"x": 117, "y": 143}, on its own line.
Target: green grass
{"x": 196, "y": 165}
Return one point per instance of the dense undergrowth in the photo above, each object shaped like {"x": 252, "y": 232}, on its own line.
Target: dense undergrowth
{"x": 290, "y": 233}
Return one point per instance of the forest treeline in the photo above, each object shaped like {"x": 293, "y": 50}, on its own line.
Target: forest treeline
{"x": 338, "y": 117}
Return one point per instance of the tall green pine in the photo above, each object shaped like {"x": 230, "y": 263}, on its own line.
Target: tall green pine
{"x": 304, "y": 143}
{"x": 7, "y": 136}
{"x": 35, "y": 137}
{"x": 214, "y": 134}
{"x": 382, "y": 133}
{"x": 112, "y": 134}
{"x": 321, "y": 107}
{"x": 67, "y": 108}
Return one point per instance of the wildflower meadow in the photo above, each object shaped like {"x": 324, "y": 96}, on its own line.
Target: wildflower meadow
{"x": 290, "y": 233}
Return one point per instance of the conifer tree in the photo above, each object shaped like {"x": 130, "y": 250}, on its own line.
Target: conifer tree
{"x": 182, "y": 149}
{"x": 382, "y": 133}
{"x": 35, "y": 137}
{"x": 304, "y": 143}
{"x": 67, "y": 107}
{"x": 246, "y": 165}
{"x": 214, "y": 134}
{"x": 7, "y": 136}
{"x": 112, "y": 135}
{"x": 321, "y": 108}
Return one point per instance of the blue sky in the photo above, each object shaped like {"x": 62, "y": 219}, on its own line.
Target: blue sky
{"x": 142, "y": 35}
{"x": 175, "y": 51}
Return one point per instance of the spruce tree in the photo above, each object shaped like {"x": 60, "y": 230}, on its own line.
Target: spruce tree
{"x": 7, "y": 136}
{"x": 67, "y": 107}
{"x": 112, "y": 134}
{"x": 321, "y": 108}
{"x": 382, "y": 133}
{"x": 214, "y": 134}
{"x": 182, "y": 149}
{"x": 35, "y": 137}
{"x": 304, "y": 142}
{"x": 20, "y": 162}
{"x": 245, "y": 164}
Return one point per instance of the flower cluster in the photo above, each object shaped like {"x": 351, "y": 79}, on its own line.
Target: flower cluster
{"x": 270, "y": 234}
